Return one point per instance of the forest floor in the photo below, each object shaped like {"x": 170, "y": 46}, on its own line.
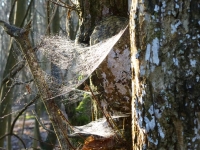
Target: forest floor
{"x": 24, "y": 128}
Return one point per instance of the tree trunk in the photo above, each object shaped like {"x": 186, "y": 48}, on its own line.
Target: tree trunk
{"x": 93, "y": 11}
{"x": 99, "y": 21}
{"x": 72, "y": 21}
{"x": 165, "y": 83}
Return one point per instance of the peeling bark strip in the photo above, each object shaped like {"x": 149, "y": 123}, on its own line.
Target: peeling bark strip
{"x": 21, "y": 36}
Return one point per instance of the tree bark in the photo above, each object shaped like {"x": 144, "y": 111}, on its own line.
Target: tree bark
{"x": 165, "y": 83}
{"x": 93, "y": 11}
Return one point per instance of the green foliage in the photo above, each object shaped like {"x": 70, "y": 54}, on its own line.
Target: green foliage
{"x": 80, "y": 77}
{"x": 83, "y": 111}
{"x": 30, "y": 116}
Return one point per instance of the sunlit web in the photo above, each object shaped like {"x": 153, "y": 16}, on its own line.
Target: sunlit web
{"x": 78, "y": 61}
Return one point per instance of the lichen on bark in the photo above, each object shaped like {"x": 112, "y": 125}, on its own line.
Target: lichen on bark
{"x": 165, "y": 35}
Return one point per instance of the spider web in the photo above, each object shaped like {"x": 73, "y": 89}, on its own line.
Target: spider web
{"x": 99, "y": 127}
{"x": 78, "y": 61}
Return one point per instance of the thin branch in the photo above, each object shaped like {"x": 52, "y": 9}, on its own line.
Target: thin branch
{"x": 21, "y": 112}
{"x": 13, "y": 72}
{"x": 43, "y": 142}
{"x": 15, "y": 120}
{"x": 28, "y": 9}
{"x": 74, "y": 7}
{"x": 11, "y": 12}
{"x": 1, "y": 100}
{"x": 48, "y": 30}
{"x": 12, "y": 85}
{"x": 20, "y": 82}
{"x": 40, "y": 123}
{"x": 10, "y": 134}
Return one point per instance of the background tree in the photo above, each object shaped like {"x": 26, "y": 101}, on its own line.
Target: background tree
{"x": 6, "y": 87}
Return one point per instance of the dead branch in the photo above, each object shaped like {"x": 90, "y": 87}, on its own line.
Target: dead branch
{"x": 40, "y": 123}
{"x": 21, "y": 112}
{"x": 13, "y": 72}
{"x": 71, "y": 7}
{"x": 15, "y": 120}
{"x": 10, "y": 134}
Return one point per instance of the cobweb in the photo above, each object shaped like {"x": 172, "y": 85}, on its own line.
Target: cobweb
{"x": 78, "y": 61}
{"x": 99, "y": 127}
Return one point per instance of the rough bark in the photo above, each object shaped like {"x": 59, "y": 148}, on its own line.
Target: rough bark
{"x": 112, "y": 78}
{"x": 165, "y": 93}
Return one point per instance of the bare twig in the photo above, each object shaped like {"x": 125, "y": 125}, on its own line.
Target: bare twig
{"x": 13, "y": 71}
{"x": 27, "y": 11}
{"x": 43, "y": 142}
{"x": 21, "y": 82}
{"x": 10, "y": 134}
{"x": 73, "y": 7}
{"x": 15, "y": 120}
{"x": 21, "y": 112}
{"x": 1, "y": 100}
{"x": 48, "y": 30}
{"x": 40, "y": 123}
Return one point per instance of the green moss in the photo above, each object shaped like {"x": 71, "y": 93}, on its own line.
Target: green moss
{"x": 83, "y": 112}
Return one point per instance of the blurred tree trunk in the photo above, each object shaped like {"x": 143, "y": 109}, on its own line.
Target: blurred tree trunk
{"x": 6, "y": 94}
{"x": 165, "y": 68}
{"x": 72, "y": 21}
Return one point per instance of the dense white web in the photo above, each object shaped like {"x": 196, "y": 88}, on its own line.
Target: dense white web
{"x": 78, "y": 61}
{"x": 99, "y": 127}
